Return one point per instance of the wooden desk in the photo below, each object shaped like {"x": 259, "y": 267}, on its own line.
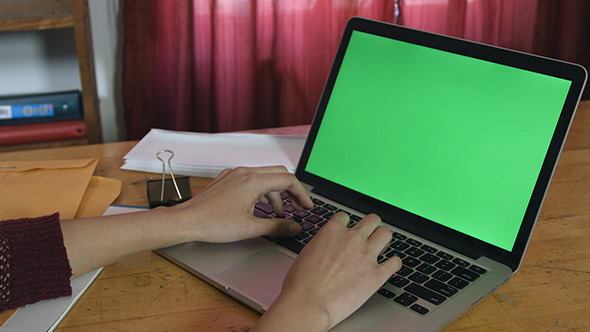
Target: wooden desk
{"x": 549, "y": 292}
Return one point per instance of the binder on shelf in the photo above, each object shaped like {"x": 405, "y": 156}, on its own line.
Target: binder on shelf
{"x": 42, "y": 132}
{"x": 44, "y": 107}
{"x": 42, "y": 117}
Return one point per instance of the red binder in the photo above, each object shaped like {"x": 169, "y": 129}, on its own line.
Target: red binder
{"x": 42, "y": 132}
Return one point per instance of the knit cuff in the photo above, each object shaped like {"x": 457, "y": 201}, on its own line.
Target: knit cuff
{"x": 33, "y": 261}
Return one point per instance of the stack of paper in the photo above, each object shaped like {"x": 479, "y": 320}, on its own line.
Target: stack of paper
{"x": 206, "y": 155}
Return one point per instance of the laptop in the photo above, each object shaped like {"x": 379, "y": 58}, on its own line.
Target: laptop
{"x": 452, "y": 143}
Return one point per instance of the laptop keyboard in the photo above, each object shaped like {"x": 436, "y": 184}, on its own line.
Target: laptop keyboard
{"x": 428, "y": 277}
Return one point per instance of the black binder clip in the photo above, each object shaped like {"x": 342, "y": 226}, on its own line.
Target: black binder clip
{"x": 171, "y": 191}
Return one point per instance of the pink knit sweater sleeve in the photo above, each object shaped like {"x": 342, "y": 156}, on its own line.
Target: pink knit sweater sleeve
{"x": 33, "y": 261}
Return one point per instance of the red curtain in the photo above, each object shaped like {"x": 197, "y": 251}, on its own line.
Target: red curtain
{"x": 506, "y": 23}
{"x": 223, "y": 65}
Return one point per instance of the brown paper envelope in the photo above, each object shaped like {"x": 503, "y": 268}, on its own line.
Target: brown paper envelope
{"x": 101, "y": 193}
{"x": 37, "y": 188}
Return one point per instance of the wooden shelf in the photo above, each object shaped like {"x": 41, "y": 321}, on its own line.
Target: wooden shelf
{"x": 32, "y": 15}
{"x": 44, "y": 145}
{"x": 18, "y": 15}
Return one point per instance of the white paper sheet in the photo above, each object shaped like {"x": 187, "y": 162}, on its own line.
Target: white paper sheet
{"x": 199, "y": 154}
{"x": 46, "y": 315}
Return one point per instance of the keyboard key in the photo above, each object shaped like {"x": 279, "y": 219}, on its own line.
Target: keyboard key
{"x": 305, "y": 225}
{"x": 429, "y": 258}
{"x": 314, "y": 219}
{"x": 415, "y": 252}
{"x": 441, "y": 288}
{"x": 418, "y": 277}
{"x": 330, "y": 207}
{"x": 445, "y": 265}
{"x": 387, "y": 293}
{"x": 419, "y": 309}
{"x": 399, "y": 281}
{"x": 461, "y": 262}
{"x": 272, "y": 238}
{"x": 444, "y": 255}
{"x": 289, "y": 208}
{"x": 478, "y": 269}
{"x": 399, "y": 245}
{"x": 301, "y": 214}
{"x": 294, "y": 218}
{"x": 317, "y": 201}
{"x": 393, "y": 252}
{"x": 399, "y": 236}
{"x": 465, "y": 274}
{"x": 425, "y": 294}
{"x": 301, "y": 236}
{"x": 411, "y": 262}
{"x": 319, "y": 211}
{"x": 406, "y": 299}
{"x": 442, "y": 275}
{"x": 458, "y": 282}
{"x": 260, "y": 214}
{"x": 426, "y": 268}
{"x": 405, "y": 271}
{"x": 429, "y": 249}
{"x": 413, "y": 242}
{"x": 266, "y": 208}
{"x": 291, "y": 244}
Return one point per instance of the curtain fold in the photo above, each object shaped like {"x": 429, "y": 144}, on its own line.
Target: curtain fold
{"x": 221, "y": 65}
{"x": 506, "y": 23}
{"x": 224, "y": 65}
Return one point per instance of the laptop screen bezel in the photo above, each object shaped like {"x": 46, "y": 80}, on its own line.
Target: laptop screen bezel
{"x": 422, "y": 227}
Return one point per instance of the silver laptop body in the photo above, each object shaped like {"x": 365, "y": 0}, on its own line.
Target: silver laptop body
{"x": 452, "y": 143}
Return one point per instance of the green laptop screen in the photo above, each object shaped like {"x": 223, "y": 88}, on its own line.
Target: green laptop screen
{"x": 457, "y": 140}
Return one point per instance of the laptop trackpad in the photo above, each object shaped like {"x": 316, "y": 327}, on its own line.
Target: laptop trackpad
{"x": 259, "y": 276}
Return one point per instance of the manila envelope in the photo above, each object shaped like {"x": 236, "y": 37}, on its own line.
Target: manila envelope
{"x": 36, "y": 188}
{"x": 99, "y": 195}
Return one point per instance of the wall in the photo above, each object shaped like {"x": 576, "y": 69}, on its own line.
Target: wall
{"x": 104, "y": 25}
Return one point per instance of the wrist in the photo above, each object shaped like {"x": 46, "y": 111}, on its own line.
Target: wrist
{"x": 292, "y": 311}
{"x": 176, "y": 222}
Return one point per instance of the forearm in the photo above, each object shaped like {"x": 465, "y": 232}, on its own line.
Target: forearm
{"x": 95, "y": 242}
{"x": 222, "y": 212}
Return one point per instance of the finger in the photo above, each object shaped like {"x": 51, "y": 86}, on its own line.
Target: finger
{"x": 301, "y": 203}
{"x": 278, "y": 227}
{"x": 379, "y": 240}
{"x": 275, "y": 200}
{"x": 285, "y": 182}
{"x": 340, "y": 218}
{"x": 368, "y": 225}
{"x": 391, "y": 266}
{"x": 263, "y": 169}
{"x": 264, "y": 200}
